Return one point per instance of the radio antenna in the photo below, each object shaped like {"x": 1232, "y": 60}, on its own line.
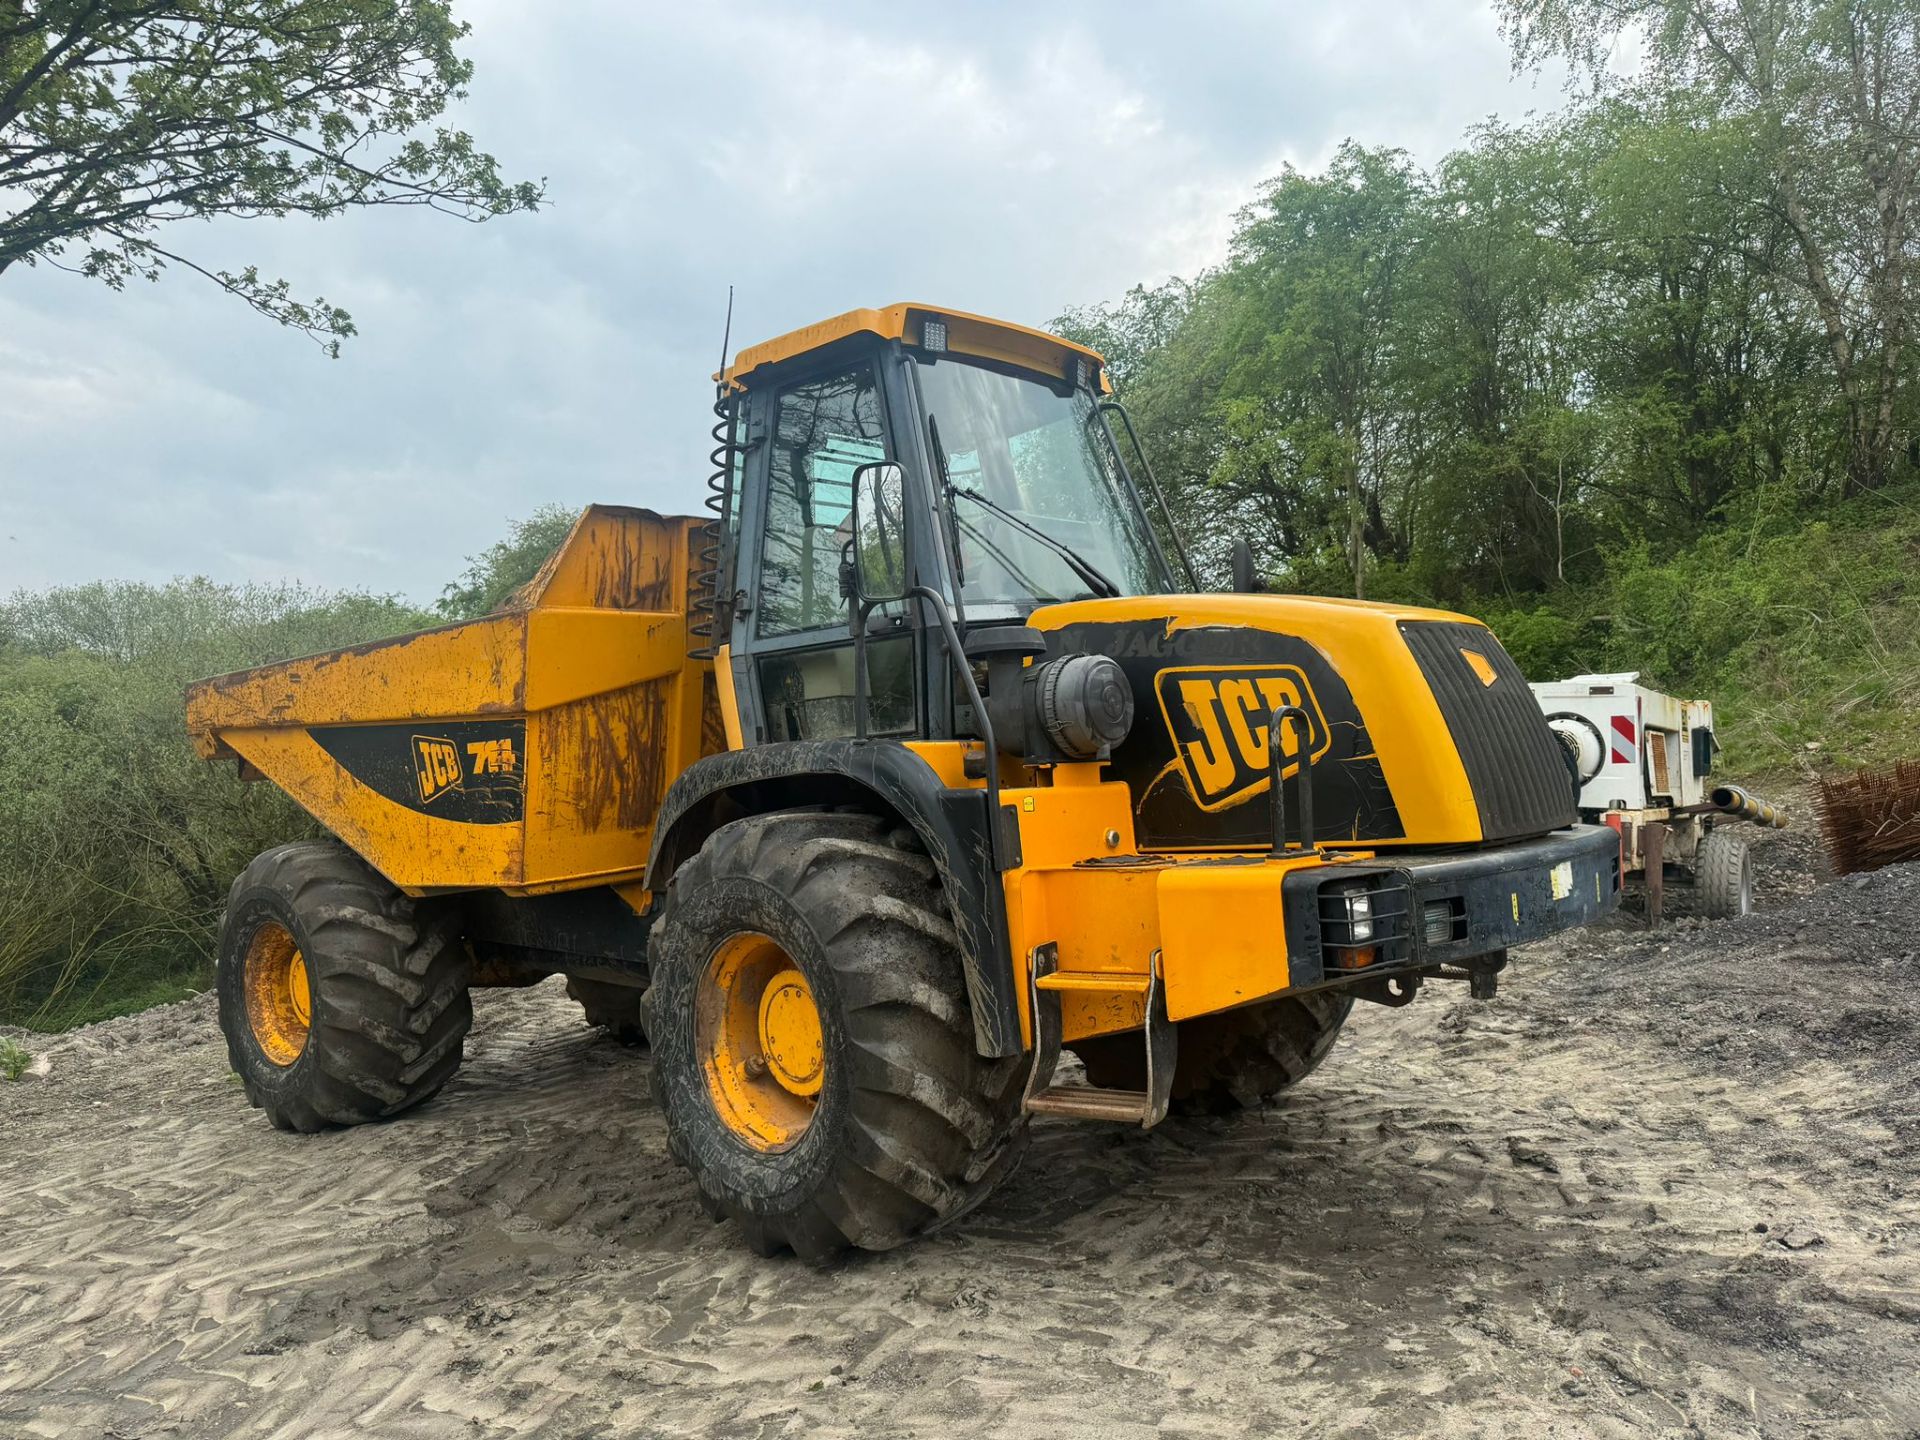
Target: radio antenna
{"x": 726, "y": 335}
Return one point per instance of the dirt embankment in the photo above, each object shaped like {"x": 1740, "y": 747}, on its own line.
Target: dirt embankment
{"x": 1660, "y": 1186}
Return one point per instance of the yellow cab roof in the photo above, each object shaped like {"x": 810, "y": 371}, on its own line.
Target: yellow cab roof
{"x": 973, "y": 335}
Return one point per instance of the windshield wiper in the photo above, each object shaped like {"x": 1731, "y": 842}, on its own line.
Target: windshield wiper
{"x": 1081, "y": 566}
{"x": 1084, "y": 568}
{"x": 946, "y": 485}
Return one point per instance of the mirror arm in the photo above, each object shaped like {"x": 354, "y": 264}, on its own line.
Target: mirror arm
{"x": 951, "y": 638}
{"x": 1159, "y": 494}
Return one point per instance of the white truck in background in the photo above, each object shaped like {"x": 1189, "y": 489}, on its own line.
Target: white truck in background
{"x": 1641, "y": 761}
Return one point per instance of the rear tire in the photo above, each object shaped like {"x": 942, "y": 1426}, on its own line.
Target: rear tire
{"x": 908, "y": 1126}
{"x": 1723, "y": 877}
{"x": 614, "y": 1008}
{"x": 1230, "y": 1061}
{"x": 382, "y": 1010}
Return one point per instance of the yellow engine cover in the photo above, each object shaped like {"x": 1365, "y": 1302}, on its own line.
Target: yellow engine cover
{"x": 1391, "y": 724}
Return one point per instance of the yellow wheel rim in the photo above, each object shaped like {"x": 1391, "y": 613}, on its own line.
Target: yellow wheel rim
{"x": 760, "y": 1041}
{"x": 279, "y": 1003}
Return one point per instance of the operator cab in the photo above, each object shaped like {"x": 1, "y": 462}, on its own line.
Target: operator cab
{"x": 1011, "y": 495}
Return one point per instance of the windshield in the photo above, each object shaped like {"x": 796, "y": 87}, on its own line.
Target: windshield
{"x": 1016, "y": 445}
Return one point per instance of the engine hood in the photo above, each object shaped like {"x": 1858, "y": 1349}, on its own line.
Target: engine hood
{"x": 1423, "y": 729}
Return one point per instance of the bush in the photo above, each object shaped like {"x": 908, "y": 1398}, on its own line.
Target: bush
{"x": 1547, "y": 644}
{"x": 1800, "y": 634}
{"x": 117, "y": 842}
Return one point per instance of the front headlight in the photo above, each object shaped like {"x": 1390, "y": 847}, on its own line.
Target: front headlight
{"x": 1358, "y": 904}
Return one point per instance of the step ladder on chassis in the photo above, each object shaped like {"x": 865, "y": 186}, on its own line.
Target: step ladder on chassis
{"x": 1047, "y": 982}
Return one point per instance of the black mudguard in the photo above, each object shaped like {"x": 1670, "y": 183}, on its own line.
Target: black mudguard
{"x": 952, "y": 825}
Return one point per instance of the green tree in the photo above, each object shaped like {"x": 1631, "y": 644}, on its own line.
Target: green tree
{"x": 1830, "y": 91}
{"x": 1316, "y": 291}
{"x": 1705, "y": 364}
{"x": 1153, "y": 341}
{"x": 1497, "y": 460}
{"x": 119, "y": 116}
{"x": 503, "y": 567}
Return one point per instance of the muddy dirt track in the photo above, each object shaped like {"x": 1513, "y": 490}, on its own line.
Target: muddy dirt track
{"x": 1658, "y": 1187}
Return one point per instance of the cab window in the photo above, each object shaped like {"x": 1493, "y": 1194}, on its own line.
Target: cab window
{"x": 823, "y": 431}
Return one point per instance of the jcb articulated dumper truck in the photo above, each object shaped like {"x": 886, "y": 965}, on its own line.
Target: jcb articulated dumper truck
{"x": 912, "y": 766}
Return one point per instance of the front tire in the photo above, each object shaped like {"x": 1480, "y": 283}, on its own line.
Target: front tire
{"x": 341, "y": 1000}
{"x": 812, "y": 1045}
{"x": 1233, "y": 1060}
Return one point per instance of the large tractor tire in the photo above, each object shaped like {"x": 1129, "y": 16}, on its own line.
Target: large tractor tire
{"x": 614, "y": 1008}
{"x": 1722, "y": 877}
{"x": 341, "y": 1000}
{"x": 813, "y": 1050}
{"x": 1229, "y": 1061}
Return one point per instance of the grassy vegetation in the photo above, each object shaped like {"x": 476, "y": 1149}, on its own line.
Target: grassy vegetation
{"x": 117, "y": 843}
{"x": 1801, "y": 634}
{"x": 13, "y": 1060}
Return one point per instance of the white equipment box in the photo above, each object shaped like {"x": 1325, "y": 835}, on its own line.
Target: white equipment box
{"x": 1640, "y": 760}
{"x": 1635, "y": 748}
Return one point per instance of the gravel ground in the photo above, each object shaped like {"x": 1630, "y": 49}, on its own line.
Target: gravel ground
{"x": 1661, "y": 1186}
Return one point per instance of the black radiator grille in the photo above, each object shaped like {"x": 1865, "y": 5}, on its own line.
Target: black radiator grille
{"x": 1519, "y": 777}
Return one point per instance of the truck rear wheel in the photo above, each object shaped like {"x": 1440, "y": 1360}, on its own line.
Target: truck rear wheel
{"x": 340, "y": 999}
{"x": 615, "y": 1008}
{"x": 1228, "y": 1061}
{"x": 813, "y": 1050}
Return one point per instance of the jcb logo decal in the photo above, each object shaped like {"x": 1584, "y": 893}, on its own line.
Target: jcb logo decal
{"x": 1218, "y": 719}
{"x": 436, "y": 763}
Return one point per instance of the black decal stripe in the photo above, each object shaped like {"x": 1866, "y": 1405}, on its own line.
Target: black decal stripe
{"x": 472, "y": 773}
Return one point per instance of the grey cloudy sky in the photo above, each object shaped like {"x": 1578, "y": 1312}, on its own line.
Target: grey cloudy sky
{"x": 1006, "y": 158}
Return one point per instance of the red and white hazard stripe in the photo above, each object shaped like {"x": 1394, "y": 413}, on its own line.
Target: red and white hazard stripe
{"x": 1625, "y": 750}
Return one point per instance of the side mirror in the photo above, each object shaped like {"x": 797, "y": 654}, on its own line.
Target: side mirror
{"x": 1246, "y": 581}
{"x": 877, "y": 562}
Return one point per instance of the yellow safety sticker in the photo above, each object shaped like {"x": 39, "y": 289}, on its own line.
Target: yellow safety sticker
{"x": 1562, "y": 880}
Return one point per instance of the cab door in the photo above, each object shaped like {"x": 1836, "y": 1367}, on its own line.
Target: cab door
{"x": 792, "y": 646}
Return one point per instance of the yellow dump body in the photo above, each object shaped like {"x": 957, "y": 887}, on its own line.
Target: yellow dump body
{"x": 527, "y": 750}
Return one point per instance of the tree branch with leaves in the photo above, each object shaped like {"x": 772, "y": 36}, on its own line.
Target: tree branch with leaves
{"x": 118, "y": 117}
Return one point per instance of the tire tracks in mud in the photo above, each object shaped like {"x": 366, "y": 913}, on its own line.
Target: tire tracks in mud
{"x": 1538, "y": 1216}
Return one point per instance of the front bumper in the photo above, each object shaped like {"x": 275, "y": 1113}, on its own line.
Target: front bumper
{"x": 1425, "y": 910}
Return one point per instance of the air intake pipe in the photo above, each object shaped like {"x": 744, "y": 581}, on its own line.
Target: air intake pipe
{"x": 1736, "y": 802}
